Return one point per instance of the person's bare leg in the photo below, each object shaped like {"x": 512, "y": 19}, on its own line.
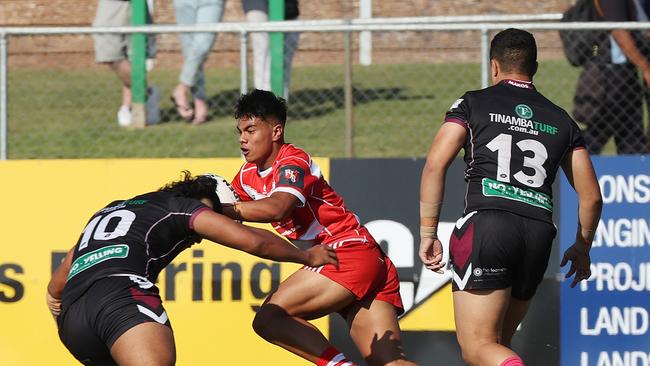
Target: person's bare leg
{"x": 514, "y": 315}
{"x": 180, "y": 97}
{"x": 126, "y": 96}
{"x": 200, "y": 111}
{"x": 375, "y": 331}
{"x": 146, "y": 344}
{"x": 122, "y": 69}
{"x": 305, "y": 295}
{"x": 479, "y": 316}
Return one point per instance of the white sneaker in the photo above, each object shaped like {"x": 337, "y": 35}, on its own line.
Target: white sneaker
{"x": 124, "y": 116}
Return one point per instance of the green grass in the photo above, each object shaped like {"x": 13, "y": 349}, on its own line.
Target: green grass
{"x": 397, "y": 110}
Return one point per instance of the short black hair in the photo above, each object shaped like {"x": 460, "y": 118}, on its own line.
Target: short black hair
{"x": 261, "y": 104}
{"x": 515, "y": 50}
{"x": 198, "y": 187}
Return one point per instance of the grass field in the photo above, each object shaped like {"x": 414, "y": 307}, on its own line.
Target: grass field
{"x": 397, "y": 110}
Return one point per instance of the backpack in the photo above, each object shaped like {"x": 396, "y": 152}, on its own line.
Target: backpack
{"x": 582, "y": 45}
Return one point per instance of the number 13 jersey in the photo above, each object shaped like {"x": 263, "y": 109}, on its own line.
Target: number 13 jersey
{"x": 516, "y": 141}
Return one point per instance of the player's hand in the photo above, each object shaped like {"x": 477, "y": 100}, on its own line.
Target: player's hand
{"x": 319, "y": 255}
{"x": 580, "y": 263}
{"x": 53, "y": 304}
{"x": 431, "y": 254}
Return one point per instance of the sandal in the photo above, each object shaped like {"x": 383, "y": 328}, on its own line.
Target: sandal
{"x": 184, "y": 111}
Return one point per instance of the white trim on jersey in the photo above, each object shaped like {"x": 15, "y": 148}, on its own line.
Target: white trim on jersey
{"x": 292, "y": 191}
{"x": 265, "y": 172}
{"x": 471, "y": 163}
{"x": 322, "y": 200}
{"x": 146, "y": 239}
{"x": 314, "y": 169}
{"x": 248, "y": 189}
{"x": 252, "y": 193}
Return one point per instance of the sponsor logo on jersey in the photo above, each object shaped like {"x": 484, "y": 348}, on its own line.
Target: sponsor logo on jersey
{"x": 98, "y": 256}
{"x": 292, "y": 175}
{"x": 524, "y": 111}
{"x": 521, "y": 124}
{"x": 493, "y": 188}
{"x": 520, "y": 84}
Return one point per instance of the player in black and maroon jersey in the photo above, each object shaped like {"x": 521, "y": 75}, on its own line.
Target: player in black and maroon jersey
{"x": 103, "y": 295}
{"x": 515, "y": 140}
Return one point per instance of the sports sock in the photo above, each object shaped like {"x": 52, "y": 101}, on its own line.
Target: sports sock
{"x": 513, "y": 361}
{"x": 333, "y": 357}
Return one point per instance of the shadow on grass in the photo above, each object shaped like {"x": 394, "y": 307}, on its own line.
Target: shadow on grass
{"x": 312, "y": 103}
{"x": 303, "y": 103}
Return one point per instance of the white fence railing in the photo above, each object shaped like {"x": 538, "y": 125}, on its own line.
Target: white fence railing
{"x": 483, "y": 24}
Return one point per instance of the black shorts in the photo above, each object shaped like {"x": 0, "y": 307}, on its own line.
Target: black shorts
{"x": 493, "y": 249}
{"x": 112, "y": 305}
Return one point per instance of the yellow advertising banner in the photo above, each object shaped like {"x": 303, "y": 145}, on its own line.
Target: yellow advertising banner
{"x": 210, "y": 291}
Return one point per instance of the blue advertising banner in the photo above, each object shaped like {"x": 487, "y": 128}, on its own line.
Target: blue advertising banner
{"x": 605, "y": 321}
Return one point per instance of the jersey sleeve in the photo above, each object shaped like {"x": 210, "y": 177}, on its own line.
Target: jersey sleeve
{"x": 236, "y": 184}
{"x": 577, "y": 141}
{"x": 459, "y": 112}
{"x": 296, "y": 175}
{"x": 186, "y": 210}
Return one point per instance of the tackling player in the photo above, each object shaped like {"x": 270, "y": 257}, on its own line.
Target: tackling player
{"x": 103, "y": 296}
{"x": 281, "y": 184}
{"x": 515, "y": 140}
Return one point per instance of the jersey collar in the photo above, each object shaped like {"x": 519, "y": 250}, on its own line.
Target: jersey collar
{"x": 518, "y": 83}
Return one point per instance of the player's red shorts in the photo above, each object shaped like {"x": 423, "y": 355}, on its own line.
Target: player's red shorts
{"x": 365, "y": 270}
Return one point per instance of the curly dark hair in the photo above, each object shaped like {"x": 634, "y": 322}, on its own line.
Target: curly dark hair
{"x": 199, "y": 187}
{"x": 263, "y": 105}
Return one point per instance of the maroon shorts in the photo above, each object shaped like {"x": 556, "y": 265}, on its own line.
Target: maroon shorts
{"x": 365, "y": 270}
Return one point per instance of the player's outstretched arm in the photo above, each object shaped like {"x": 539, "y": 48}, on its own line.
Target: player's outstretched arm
{"x": 446, "y": 145}
{"x": 271, "y": 209}
{"x": 57, "y": 283}
{"x": 262, "y": 243}
{"x": 581, "y": 175}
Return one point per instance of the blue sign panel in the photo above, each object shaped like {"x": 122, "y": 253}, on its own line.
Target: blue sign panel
{"x": 606, "y": 321}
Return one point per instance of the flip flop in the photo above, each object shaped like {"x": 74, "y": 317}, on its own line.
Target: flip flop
{"x": 186, "y": 113}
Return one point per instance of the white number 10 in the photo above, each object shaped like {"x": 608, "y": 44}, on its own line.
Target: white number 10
{"x": 502, "y": 144}
{"x": 126, "y": 219}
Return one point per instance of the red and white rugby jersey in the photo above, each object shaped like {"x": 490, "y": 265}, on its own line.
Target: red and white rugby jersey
{"x": 322, "y": 215}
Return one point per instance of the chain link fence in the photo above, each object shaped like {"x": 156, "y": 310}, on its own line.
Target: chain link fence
{"x": 61, "y": 104}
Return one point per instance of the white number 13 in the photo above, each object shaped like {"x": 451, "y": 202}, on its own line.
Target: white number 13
{"x": 502, "y": 144}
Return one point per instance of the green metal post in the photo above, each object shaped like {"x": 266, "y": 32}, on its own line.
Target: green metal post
{"x": 276, "y": 41}
{"x": 138, "y": 65}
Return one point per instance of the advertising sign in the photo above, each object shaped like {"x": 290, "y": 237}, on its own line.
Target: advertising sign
{"x": 604, "y": 321}
{"x": 210, "y": 292}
